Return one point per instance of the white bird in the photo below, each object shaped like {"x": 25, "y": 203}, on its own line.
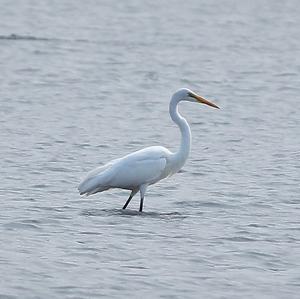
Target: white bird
{"x": 145, "y": 167}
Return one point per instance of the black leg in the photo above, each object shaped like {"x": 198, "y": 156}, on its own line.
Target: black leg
{"x": 127, "y": 202}
{"x": 141, "y": 204}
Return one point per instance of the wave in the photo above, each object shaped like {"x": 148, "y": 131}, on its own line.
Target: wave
{"x": 18, "y": 37}
{"x": 23, "y": 37}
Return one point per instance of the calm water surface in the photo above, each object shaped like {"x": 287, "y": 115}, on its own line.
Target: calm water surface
{"x": 84, "y": 82}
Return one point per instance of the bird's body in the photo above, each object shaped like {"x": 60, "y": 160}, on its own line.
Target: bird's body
{"x": 145, "y": 167}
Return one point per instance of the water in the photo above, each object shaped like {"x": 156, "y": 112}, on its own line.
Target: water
{"x": 85, "y": 82}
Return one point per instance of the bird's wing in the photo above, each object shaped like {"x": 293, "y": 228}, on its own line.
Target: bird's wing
{"x": 132, "y": 172}
{"x": 101, "y": 169}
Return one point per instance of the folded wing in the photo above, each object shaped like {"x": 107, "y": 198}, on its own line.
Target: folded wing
{"x": 130, "y": 172}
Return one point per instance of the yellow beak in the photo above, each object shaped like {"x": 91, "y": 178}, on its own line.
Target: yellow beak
{"x": 204, "y": 101}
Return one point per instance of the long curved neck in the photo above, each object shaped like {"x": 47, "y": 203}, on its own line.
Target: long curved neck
{"x": 185, "y": 130}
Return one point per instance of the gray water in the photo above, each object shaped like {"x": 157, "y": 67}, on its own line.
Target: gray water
{"x": 83, "y": 82}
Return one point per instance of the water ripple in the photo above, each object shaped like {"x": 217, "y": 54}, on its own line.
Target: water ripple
{"x": 128, "y": 213}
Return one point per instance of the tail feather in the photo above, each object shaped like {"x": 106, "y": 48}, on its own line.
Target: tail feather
{"x": 93, "y": 185}
{"x": 97, "y": 180}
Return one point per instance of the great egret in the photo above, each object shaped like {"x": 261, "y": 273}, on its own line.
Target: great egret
{"x": 145, "y": 167}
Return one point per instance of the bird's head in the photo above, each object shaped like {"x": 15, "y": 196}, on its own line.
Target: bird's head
{"x": 185, "y": 94}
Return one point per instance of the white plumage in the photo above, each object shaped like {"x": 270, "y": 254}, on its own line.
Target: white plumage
{"x": 145, "y": 167}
